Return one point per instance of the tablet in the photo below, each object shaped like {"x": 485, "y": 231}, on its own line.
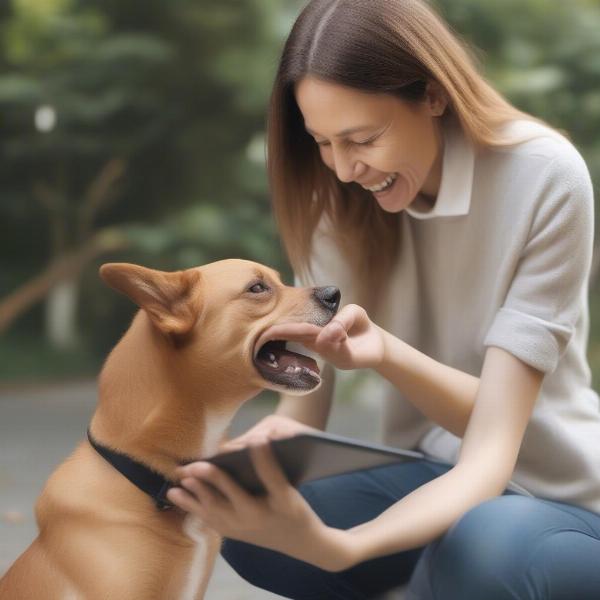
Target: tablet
{"x": 308, "y": 456}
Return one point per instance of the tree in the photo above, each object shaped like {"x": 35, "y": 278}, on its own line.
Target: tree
{"x": 118, "y": 115}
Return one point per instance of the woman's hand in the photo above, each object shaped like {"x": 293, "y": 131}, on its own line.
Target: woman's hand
{"x": 281, "y": 520}
{"x": 273, "y": 427}
{"x": 349, "y": 341}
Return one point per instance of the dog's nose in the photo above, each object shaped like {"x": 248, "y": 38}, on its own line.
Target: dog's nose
{"x": 328, "y": 296}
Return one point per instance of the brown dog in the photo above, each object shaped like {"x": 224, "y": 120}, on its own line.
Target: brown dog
{"x": 167, "y": 393}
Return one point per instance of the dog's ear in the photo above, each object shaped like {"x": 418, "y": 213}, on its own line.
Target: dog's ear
{"x": 171, "y": 299}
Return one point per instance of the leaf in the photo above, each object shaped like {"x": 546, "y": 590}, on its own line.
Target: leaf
{"x": 19, "y": 89}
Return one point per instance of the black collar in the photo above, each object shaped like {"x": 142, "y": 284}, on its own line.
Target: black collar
{"x": 145, "y": 478}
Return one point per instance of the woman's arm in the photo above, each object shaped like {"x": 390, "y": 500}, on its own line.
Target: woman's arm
{"x": 443, "y": 394}
{"x": 352, "y": 341}
{"x": 283, "y": 521}
{"x": 502, "y": 400}
{"x": 507, "y": 393}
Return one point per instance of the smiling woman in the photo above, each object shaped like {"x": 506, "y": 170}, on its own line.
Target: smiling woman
{"x": 398, "y": 77}
{"x": 402, "y": 154}
{"x": 465, "y": 228}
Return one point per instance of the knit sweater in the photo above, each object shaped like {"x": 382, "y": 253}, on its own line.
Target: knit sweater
{"x": 502, "y": 258}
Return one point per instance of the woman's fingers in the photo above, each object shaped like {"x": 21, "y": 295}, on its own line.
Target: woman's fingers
{"x": 333, "y": 333}
{"x": 336, "y": 331}
{"x": 267, "y": 467}
{"x": 253, "y": 436}
{"x": 274, "y": 427}
{"x": 232, "y": 446}
{"x": 215, "y": 481}
{"x": 292, "y": 332}
{"x": 184, "y": 499}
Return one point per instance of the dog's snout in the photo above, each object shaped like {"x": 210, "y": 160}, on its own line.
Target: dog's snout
{"x": 329, "y": 297}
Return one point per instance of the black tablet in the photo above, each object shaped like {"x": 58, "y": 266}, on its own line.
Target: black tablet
{"x": 309, "y": 456}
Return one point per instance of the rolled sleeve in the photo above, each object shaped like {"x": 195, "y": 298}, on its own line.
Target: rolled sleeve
{"x": 536, "y": 342}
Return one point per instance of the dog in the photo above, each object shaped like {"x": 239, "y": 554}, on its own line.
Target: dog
{"x": 166, "y": 395}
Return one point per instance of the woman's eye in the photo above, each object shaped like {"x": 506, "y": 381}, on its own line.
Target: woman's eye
{"x": 367, "y": 141}
{"x": 350, "y": 143}
{"x": 257, "y": 288}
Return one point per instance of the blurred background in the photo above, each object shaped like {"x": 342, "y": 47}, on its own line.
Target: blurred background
{"x": 133, "y": 131}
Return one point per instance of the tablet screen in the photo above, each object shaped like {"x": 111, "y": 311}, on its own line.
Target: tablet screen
{"x": 309, "y": 456}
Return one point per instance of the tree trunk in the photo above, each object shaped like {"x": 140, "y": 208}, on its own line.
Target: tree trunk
{"x": 61, "y": 314}
{"x": 62, "y": 268}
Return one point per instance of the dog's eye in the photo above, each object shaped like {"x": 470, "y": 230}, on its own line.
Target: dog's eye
{"x": 258, "y": 288}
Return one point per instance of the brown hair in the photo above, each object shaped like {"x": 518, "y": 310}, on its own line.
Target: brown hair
{"x": 377, "y": 46}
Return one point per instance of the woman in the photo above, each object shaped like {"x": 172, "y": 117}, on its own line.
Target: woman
{"x": 463, "y": 228}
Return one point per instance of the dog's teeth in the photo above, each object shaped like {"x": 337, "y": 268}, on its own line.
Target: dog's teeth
{"x": 296, "y": 370}
{"x": 272, "y": 357}
{"x": 307, "y": 371}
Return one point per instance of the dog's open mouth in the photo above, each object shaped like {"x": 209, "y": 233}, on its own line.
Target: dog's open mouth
{"x": 282, "y": 366}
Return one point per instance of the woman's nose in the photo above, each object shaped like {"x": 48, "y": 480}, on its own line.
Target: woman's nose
{"x": 344, "y": 171}
{"x": 347, "y": 169}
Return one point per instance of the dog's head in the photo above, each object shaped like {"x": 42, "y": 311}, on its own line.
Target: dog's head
{"x": 210, "y": 319}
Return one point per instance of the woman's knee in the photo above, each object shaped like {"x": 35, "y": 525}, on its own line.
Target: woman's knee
{"x": 253, "y": 563}
{"x": 348, "y": 500}
{"x": 275, "y": 572}
{"x": 482, "y": 554}
{"x": 564, "y": 564}
{"x": 342, "y": 502}
{"x": 487, "y": 531}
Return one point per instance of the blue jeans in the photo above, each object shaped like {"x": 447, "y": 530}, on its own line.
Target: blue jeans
{"x": 512, "y": 546}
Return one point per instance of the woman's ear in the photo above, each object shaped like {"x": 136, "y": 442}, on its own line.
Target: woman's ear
{"x": 436, "y": 98}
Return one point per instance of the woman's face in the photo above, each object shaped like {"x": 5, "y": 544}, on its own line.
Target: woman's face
{"x": 389, "y": 146}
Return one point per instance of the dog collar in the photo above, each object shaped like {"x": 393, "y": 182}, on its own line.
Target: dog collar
{"x": 146, "y": 479}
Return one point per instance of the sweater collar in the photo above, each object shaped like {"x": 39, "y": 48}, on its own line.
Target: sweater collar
{"x": 454, "y": 196}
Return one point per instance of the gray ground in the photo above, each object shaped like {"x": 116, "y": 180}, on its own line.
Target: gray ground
{"x": 39, "y": 427}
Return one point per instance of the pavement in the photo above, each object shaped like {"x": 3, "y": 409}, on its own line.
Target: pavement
{"x": 41, "y": 425}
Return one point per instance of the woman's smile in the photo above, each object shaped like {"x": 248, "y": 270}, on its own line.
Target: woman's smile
{"x": 380, "y": 187}
{"x": 398, "y": 158}
{"x": 396, "y": 196}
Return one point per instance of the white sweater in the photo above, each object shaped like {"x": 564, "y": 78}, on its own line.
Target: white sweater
{"x": 502, "y": 259}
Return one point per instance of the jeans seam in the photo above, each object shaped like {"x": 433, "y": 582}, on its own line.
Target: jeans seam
{"x": 564, "y": 510}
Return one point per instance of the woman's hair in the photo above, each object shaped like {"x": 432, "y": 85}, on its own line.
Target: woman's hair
{"x": 376, "y": 46}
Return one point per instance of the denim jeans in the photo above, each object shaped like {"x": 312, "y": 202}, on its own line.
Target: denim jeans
{"x": 513, "y": 546}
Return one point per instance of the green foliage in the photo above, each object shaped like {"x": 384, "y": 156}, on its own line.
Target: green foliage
{"x": 544, "y": 56}
{"x": 173, "y": 91}
{"x": 27, "y": 356}
{"x": 177, "y": 90}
